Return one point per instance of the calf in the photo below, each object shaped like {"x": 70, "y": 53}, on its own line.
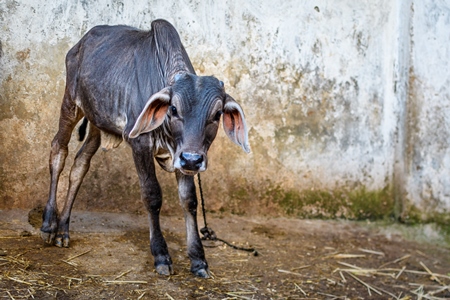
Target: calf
{"x": 140, "y": 86}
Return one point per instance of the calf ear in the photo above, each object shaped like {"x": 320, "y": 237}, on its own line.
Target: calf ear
{"x": 234, "y": 123}
{"x": 153, "y": 114}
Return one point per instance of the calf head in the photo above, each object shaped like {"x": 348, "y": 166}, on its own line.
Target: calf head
{"x": 193, "y": 106}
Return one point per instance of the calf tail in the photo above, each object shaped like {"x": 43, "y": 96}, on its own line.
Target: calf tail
{"x": 82, "y": 130}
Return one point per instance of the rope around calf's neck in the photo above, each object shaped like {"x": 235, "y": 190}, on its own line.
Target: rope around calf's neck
{"x": 208, "y": 233}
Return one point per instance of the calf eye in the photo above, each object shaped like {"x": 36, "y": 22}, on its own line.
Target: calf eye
{"x": 173, "y": 111}
{"x": 217, "y": 115}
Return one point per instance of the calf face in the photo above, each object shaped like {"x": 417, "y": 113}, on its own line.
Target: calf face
{"x": 193, "y": 106}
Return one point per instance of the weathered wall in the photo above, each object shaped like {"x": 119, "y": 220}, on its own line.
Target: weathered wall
{"x": 427, "y": 158}
{"x": 346, "y": 102}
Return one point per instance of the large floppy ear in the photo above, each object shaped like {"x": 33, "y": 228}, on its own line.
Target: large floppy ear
{"x": 153, "y": 114}
{"x": 234, "y": 123}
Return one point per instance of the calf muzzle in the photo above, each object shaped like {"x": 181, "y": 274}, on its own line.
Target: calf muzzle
{"x": 191, "y": 161}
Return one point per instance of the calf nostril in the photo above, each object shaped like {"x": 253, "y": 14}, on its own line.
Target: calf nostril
{"x": 183, "y": 161}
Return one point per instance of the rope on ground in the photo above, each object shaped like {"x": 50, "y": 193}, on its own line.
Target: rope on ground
{"x": 209, "y": 234}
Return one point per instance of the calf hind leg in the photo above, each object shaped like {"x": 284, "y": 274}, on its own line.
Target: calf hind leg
{"x": 79, "y": 169}
{"x": 70, "y": 115}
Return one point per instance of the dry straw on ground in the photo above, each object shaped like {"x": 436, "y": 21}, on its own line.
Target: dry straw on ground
{"x": 22, "y": 281}
{"x": 299, "y": 259}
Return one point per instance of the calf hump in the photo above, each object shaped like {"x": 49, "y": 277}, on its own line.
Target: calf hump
{"x": 170, "y": 52}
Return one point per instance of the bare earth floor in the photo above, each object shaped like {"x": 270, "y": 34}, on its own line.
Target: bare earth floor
{"x": 109, "y": 258}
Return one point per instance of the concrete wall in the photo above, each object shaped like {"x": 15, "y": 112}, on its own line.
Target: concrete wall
{"x": 347, "y": 103}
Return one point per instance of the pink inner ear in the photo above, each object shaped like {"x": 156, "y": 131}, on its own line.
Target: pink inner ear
{"x": 240, "y": 131}
{"x": 153, "y": 114}
{"x": 228, "y": 122}
{"x": 234, "y": 124}
{"x": 159, "y": 113}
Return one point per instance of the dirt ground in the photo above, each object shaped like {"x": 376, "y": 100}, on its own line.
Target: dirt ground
{"x": 109, "y": 258}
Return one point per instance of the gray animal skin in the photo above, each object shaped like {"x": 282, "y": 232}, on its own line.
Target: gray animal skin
{"x": 140, "y": 86}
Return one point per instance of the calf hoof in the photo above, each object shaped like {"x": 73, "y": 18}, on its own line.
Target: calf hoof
{"x": 165, "y": 270}
{"x": 200, "y": 269}
{"x": 202, "y": 273}
{"x": 48, "y": 237}
{"x": 62, "y": 241}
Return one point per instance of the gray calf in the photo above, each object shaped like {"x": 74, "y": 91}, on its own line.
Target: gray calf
{"x": 140, "y": 86}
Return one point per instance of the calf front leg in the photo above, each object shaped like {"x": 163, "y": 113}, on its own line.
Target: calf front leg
{"x": 188, "y": 200}
{"x": 152, "y": 197}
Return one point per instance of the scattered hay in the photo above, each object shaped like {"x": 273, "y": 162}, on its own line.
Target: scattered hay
{"x": 290, "y": 267}
{"x": 30, "y": 282}
{"x": 354, "y": 270}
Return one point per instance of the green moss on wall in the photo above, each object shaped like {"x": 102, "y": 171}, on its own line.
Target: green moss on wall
{"x": 376, "y": 204}
{"x": 357, "y": 204}
{"x": 413, "y": 216}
